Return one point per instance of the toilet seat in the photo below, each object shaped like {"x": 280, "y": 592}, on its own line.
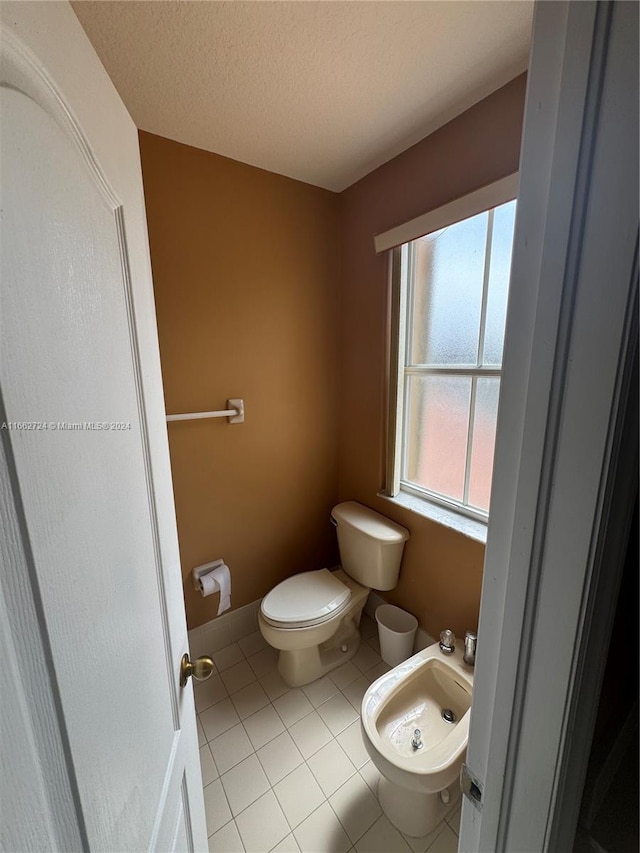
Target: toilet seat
{"x": 304, "y": 600}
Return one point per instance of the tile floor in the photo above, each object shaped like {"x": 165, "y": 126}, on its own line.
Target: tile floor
{"x": 285, "y": 770}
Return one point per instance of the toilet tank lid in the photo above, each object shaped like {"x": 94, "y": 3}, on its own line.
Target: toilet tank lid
{"x": 307, "y": 596}
{"x": 369, "y": 522}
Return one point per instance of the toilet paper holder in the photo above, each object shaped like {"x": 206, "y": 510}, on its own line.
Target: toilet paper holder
{"x": 199, "y": 571}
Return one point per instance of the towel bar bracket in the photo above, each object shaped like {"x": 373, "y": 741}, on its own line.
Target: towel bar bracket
{"x": 238, "y": 405}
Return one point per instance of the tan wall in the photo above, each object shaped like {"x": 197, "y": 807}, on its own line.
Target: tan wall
{"x": 246, "y": 275}
{"x": 245, "y": 268}
{"x": 442, "y": 571}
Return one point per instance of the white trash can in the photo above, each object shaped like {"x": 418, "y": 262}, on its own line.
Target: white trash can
{"x": 397, "y": 630}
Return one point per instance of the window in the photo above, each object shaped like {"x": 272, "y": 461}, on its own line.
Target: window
{"x": 450, "y": 298}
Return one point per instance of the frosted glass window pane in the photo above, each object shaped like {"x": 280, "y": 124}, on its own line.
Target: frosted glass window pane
{"x": 448, "y": 293}
{"x": 437, "y": 423}
{"x": 499, "y": 271}
{"x": 483, "y": 442}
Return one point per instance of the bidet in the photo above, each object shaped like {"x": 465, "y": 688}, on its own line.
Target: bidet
{"x": 415, "y": 727}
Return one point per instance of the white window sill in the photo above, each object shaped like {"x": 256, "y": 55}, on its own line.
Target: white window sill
{"x": 469, "y": 527}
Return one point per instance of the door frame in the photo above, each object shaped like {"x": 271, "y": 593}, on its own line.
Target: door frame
{"x": 566, "y": 464}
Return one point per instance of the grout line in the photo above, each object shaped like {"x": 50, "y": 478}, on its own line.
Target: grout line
{"x": 233, "y": 820}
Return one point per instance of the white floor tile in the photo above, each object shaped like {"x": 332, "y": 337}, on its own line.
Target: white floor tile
{"x": 344, "y": 674}
{"x": 420, "y": 845}
{"x": 237, "y": 676}
{"x": 366, "y": 657}
{"x": 374, "y": 642}
{"x": 379, "y": 669}
{"x": 356, "y": 690}
{"x": 230, "y": 748}
{"x": 264, "y": 661}
{"x": 209, "y": 692}
{"x": 244, "y": 783}
{"x": 226, "y": 840}
{"x": 227, "y": 657}
{"x": 319, "y": 691}
{"x": 454, "y": 819}
{"x": 293, "y": 706}
{"x": 356, "y": 807}
{"x": 216, "y": 807}
{"x": 351, "y": 741}
{"x": 337, "y": 713}
{"x": 287, "y": 845}
{"x": 207, "y": 766}
{"x": 273, "y": 685}
{"x": 298, "y": 794}
{"x": 202, "y": 738}
{"x": 321, "y": 832}
{"x": 279, "y": 757}
{"x": 252, "y": 644}
{"x": 263, "y": 824}
{"x": 249, "y": 700}
{"x": 331, "y": 767}
{"x": 370, "y": 774}
{"x": 273, "y": 790}
{"x": 263, "y": 726}
{"x": 383, "y": 837}
{"x": 310, "y": 734}
{"x": 446, "y": 842}
{"x": 219, "y": 718}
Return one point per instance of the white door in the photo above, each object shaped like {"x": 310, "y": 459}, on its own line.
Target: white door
{"x": 99, "y": 739}
{"x": 566, "y": 457}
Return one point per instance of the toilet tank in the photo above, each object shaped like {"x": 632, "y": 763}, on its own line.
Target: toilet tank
{"x": 370, "y": 545}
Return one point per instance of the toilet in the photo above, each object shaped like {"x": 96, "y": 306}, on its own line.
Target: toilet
{"x": 312, "y": 618}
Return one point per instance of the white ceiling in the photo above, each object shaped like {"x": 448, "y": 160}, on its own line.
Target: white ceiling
{"x": 323, "y": 92}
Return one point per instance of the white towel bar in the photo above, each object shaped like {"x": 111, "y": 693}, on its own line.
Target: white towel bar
{"x": 235, "y": 413}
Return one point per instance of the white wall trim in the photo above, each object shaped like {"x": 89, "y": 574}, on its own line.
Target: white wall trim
{"x": 224, "y": 630}
{"x": 231, "y": 627}
{"x": 562, "y": 406}
{"x": 491, "y": 195}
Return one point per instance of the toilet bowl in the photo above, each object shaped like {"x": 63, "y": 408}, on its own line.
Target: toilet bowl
{"x": 312, "y": 618}
{"x": 415, "y": 727}
{"x": 309, "y": 649}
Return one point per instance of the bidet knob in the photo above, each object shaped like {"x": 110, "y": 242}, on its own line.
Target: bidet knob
{"x": 447, "y": 642}
{"x": 416, "y": 740}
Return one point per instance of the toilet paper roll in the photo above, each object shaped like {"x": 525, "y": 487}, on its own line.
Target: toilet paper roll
{"x": 208, "y": 585}
{"x": 219, "y": 579}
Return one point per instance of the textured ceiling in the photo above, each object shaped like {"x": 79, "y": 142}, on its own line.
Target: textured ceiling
{"x": 320, "y": 91}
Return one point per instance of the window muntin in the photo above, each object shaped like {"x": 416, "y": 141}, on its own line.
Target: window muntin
{"x": 454, "y": 286}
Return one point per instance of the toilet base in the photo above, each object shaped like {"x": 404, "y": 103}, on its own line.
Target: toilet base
{"x": 413, "y": 812}
{"x": 302, "y": 666}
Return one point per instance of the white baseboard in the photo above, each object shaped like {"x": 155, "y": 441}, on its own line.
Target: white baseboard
{"x": 373, "y": 602}
{"x": 231, "y": 627}
{"x": 224, "y": 630}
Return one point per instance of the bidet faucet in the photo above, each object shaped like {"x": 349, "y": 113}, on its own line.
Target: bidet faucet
{"x": 416, "y": 740}
{"x": 470, "y": 643}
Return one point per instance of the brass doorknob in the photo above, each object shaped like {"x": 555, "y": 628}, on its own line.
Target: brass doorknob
{"x": 200, "y": 669}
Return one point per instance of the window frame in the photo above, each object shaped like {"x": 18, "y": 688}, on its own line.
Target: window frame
{"x": 399, "y": 241}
